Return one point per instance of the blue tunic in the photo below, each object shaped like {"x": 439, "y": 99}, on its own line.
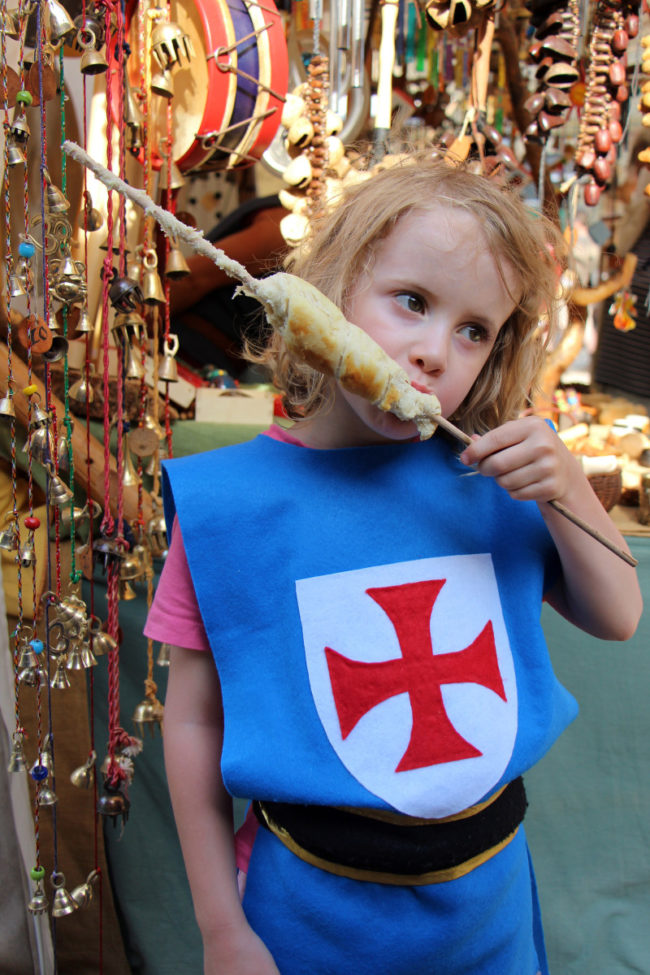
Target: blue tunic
{"x": 374, "y": 617}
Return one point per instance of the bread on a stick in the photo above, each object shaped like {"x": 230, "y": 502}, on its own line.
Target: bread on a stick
{"x": 316, "y": 331}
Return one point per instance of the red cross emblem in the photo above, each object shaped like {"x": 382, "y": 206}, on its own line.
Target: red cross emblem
{"x": 358, "y": 686}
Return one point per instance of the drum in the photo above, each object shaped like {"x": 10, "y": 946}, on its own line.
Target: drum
{"x": 229, "y": 81}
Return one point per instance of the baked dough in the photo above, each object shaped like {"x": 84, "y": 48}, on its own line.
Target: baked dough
{"x": 316, "y": 331}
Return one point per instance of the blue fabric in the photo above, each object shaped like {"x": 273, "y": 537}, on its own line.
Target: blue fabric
{"x": 310, "y": 514}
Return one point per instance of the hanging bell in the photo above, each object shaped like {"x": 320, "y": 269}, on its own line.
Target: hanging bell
{"x": 19, "y": 128}
{"x": 168, "y": 371}
{"x": 125, "y": 591}
{"x": 11, "y": 25}
{"x": 163, "y": 655}
{"x": 102, "y": 642}
{"x": 92, "y": 59}
{"x": 152, "y": 289}
{"x": 84, "y": 325}
{"x": 32, "y": 677}
{"x": 83, "y": 894}
{"x": 134, "y": 368}
{"x": 60, "y": 494}
{"x": 27, "y": 555}
{"x": 17, "y": 761}
{"x": 62, "y": 902}
{"x": 133, "y": 120}
{"x": 176, "y": 267}
{"x": 156, "y": 530}
{"x": 58, "y": 349}
{"x": 7, "y": 409}
{"x": 16, "y": 286}
{"x": 58, "y": 23}
{"x": 162, "y": 84}
{"x": 169, "y": 177}
{"x": 73, "y": 660}
{"x": 82, "y": 391}
{"x": 55, "y": 201}
{"x": 15, "y": 155}
{"x": 90, "y": 219}
{"x": 60, "y": 680}
{"x": 169, "y": 45}
{"x": 88, "y": 658}
{"x": 27, "y": 657}
{"x": 39, "y": 444}
{"x": 10, "y": 538}
{"x": 71, "y": 610}
{"x": 83, "y": 776}
{"x": 124, "y": 294}
{"x": 38, "y": 416}
{"x": 46, "y": 797}
{"x": 38, "y": 902}
{"x": 113, "y": 804}
{"x": 148, "y": 713}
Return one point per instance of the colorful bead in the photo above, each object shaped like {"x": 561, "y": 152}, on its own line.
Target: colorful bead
{"x": 37, "y": 646}
{"x": 26, "y": 249}
{"x": 24, "y": 98}
{"x": 32, "y": 522}
{"x": 37, "y": 873}
{"x": 38, "y": 773}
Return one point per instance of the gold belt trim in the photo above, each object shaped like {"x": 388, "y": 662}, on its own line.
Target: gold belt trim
{"x": 396, "y": 879}
{"x": 386, "y": 816}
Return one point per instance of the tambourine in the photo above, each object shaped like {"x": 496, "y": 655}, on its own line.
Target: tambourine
{"x": 228, "y": 97}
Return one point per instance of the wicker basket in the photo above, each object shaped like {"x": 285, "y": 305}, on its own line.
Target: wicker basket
{"x": 608, "y": 488}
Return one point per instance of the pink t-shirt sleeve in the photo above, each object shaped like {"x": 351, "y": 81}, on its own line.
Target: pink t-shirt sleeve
{"x": 174, "y": 616}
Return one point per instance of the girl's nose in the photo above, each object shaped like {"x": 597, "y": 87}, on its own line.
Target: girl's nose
{"x": 430, "y": 352}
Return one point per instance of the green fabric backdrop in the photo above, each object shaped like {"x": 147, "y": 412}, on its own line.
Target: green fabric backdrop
{"x": 587, "y": 823}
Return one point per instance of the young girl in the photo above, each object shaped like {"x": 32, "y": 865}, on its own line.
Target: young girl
{"x": 378, "y": 680}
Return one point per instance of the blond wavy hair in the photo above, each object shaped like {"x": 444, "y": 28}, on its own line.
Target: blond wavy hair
{"x": 342, "y": 246}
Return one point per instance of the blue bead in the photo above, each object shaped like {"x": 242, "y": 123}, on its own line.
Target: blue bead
{"x": 36, "y": 645}
{"x": 38, "y": 773}
{"x": 25, "y": 249}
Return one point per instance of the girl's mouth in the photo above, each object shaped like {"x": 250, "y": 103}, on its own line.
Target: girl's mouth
{"x": 421, "y": 389}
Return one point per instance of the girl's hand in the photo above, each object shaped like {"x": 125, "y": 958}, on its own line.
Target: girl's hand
{"x": 527, "y": 458}
{"x": 239, "y": 953}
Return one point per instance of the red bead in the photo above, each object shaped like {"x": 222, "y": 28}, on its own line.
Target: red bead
{"x": 619, "y": 41}
{"x": 32, "y": 522}
{"x": 592, "y": 194}
{"x": 602, "y": 141}
{"x": 615, "y": 130}
{"x": 632, "y": 25}
{"x": 616, "y": 73}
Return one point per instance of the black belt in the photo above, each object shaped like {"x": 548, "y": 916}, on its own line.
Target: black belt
{"x": 380, "y": 847}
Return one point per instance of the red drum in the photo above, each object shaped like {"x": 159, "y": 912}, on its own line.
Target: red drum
{"x": 228, "y": 96}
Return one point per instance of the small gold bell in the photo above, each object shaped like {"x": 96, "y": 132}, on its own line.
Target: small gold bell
{"x": 15, "y": 155}
{"x": 126, "y": 591}
{"x": 84, "y": 325}
{"x": 162, "y": 84}
{"x": 55, "y": 201}
{"x": 148, "y": 713}
{"x": 60, "y": 680}
{"x": 73, "y": 660}
{"x": 113, "y": 804}
{"x": 152, "y": 288}
{"x": 10, "y": 538}
{"x": 58, "y": 23}
{"x": 60, "y": 493}
{"x": 27, "y": 555}
{"x": 39, "y": 445}
{"x": 82, "y": 391}
{"x": 88, "y": 658}
{"x": 163, "y": 655}
{"x": 83, "y": 776}
{"x": 133, "y": 120}
{"x": 62, "y": 903}
{"x": 176, "y": 266}
{"x": 92, "y": 60}
{"x": 32, "y": 677}
{"x": 134, "y": 368}
{"x": 83, "y": 894}
{"x": 102, "y": 642}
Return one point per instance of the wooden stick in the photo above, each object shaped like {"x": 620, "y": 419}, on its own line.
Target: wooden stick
{"x": 196, "y": 240}
{"x": 569, "y": 515}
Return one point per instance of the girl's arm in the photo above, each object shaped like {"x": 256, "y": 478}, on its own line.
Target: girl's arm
{"x": 597, "y": 591}
{"x": 203, "y": 813}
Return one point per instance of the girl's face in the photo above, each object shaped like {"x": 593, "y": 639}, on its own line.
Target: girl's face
{"x": 435, "y": 302}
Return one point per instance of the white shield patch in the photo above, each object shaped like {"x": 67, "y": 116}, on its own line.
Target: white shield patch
{"x": 413, "y": 678}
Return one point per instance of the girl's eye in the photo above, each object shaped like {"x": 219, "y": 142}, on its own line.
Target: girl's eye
{"x": 475, "y": 333}
{"x": 410, "y": 301}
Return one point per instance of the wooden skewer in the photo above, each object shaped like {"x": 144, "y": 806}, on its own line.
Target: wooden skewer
{"x": 569, "y": 515}
{"x": 200, "y": 245}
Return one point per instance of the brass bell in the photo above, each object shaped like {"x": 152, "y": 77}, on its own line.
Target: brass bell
{"x": 163, "y": 655}
{"x": 71, "y": 610}
{"x": 90, "y": 219}
{"x": 82, "y": 391}
{"x": 27, "y": 657}
{"x": 169, "y": 178}
{"x": 88, "y": 658}
{"x": 15, "y": 155}
{"x": 62, "y": 902}
{"x": 148, "y": 713}
{"x": 133, "y": 364}
{"x": 73, "y": 660}
{"x": 19, "y": 128}
{"x": 10, "y": 537}
{"x": 113, "y": 804}
{"x": 133, "y": 120}
{"x": 38, "y": 416}
{"x": 169, "y": 45}
{"x": 17, "y": 761}
{"x": 27, "y": 555}
{"x": 102, "y": 642}
{"x": 156, "y": 529}
{"x": 55, "y": 201}
{"x": 92, "y": 60}
{"x": 39, "y": 444}
{"x": 58, "y": 349}
{"x": 84, "y": 325}
{"x": 60, "y": 494}
{"x": 60, "y": 680}
{"x": 58, "y": 23}
{"x": 125, "y": 590}
{"x": 176, "y": 266}
{"x": 83, "y": 776}
{"x": 38, "y": 902}
{"x": 11, "y": 26}
{"x": 46, "y": 797}
{"x": 7, "y": 409}
{"x": 32, "y": 677}
{"x": 16, "y": 286}
{"x": 83, "y": 894}
{"x": 152, "y": 288}
{"x": 162, "y": 84}
{"x": 168, "y": 371}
